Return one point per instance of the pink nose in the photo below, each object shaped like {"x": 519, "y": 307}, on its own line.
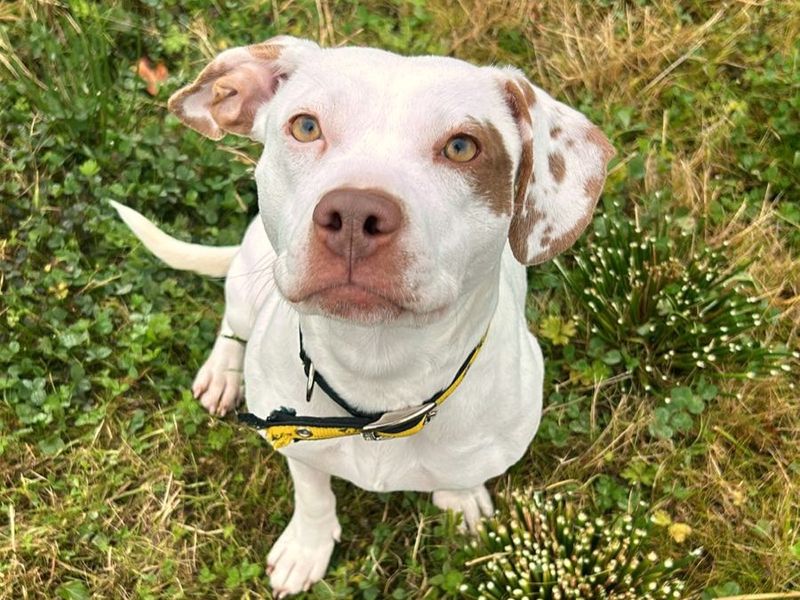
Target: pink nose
{"x": 355, "y": 223}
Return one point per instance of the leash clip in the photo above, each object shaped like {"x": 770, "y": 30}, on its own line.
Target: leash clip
{"x": 397, "y": 418}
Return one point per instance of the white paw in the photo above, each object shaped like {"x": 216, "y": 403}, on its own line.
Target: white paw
{"x": 300, "y": 556}
{"x": 473, "y": 504}
{"x": 218, "y": 384}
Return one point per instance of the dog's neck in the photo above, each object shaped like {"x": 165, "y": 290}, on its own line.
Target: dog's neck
{"x": 388, "y": 367}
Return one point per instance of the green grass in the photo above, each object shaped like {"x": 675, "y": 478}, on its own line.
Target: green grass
{"x": 113, "y": 481}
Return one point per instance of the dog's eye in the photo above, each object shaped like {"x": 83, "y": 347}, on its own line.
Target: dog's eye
{"x": 305, "y": 128}
{"x": 461, "y": 148}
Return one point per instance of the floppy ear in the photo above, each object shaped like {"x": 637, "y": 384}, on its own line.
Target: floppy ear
{"x": 229, "y": 91}
{"x": 561, "y": 171}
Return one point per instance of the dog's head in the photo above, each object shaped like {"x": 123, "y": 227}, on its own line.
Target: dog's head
{"x": 389, "y": 185}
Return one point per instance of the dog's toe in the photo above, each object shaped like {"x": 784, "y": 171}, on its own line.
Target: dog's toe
{"x": 298, "y": 569}
{"x": 231, "y": 395}
{"x": 210, "y": 398}
{"x": 201, "y": 381}
{"x": 298, "y": 561}
{"x": 473, "y": 504}
{"x": 218, "y": 384}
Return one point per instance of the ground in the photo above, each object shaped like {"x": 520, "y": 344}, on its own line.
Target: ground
{"x": 115, "y": 483}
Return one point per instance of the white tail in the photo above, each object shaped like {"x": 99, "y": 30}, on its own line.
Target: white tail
{"x": 206, "y": 260}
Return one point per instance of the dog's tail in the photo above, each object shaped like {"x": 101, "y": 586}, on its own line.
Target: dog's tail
{"x": 206, "y": 260}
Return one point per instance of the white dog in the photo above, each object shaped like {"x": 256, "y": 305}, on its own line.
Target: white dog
{"x": 400, "y": 198}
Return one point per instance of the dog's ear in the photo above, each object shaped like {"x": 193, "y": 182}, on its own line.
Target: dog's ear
{"x": 562, "y": 168}
{"x": 229, "y": 91}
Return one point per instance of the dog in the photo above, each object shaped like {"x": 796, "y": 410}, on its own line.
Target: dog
{"x": 376, "y": 305}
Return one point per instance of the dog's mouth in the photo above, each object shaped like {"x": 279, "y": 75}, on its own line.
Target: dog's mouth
{"x": 364, "y": 298}
{"x": 355, "y": 302}
{"x": 361, "y": 304}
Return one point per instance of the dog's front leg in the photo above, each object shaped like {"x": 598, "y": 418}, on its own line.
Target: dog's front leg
{"x": 218, "y": 384}
{"x": 300, "y": 556}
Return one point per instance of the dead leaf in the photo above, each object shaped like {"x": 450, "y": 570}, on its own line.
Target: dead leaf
{"x": 679, "y": 532}
{"x": 151, "y": 76}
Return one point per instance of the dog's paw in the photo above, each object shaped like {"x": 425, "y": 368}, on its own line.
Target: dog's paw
{"x": 473, "y": 504}
{"x": 218, "y": 384}
{"x": 300, "y": 556}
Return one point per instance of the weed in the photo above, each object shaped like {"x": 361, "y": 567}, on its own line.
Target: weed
{"x": 668, "y": 307}
{"x": 548, "y": 547}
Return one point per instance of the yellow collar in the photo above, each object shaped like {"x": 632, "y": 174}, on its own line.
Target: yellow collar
{"x": 283, "y": 427}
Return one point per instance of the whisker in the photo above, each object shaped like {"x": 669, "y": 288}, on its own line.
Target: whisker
{"x": 253, "y": 272}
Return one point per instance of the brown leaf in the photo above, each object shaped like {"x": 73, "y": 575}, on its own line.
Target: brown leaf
{"x": 151, "y": 76}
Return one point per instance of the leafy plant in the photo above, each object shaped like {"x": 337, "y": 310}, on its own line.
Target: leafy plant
{"x": 678, "y": 412}
{"x": 557, "y": 330}
{"x": 547, "y": 547}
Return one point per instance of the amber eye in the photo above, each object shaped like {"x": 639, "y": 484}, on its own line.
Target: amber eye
{"x": 305, "y": 128}
{"x": 461, "y": 148}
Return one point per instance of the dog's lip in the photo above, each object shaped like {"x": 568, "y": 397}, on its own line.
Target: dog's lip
{"x": 401, "y": 306}
{"x": 350, "y": 288}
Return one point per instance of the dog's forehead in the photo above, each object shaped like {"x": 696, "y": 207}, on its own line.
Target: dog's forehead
{"x": 376, "y": 80}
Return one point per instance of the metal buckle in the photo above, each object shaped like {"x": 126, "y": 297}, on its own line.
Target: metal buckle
{"x": 310, "y": 381}
{"x": 395, "y": 418}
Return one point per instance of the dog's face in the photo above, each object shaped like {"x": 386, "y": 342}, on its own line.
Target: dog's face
{"x": 389, "y": 185}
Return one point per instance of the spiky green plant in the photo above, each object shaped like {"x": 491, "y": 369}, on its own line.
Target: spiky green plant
{"x": 674, "y": 308}
{"x": 547, "y": 548}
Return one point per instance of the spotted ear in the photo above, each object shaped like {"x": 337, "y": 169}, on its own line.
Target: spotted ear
{"x": 227, "y": 94}
{"x": 561, "y": 171}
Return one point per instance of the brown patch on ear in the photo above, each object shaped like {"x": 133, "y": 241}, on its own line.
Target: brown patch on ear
{"x": 557, "y": 166}
{"x": 239, "y": 95}
{"x": 515, "y": 98}
{"x": 204, "y": 125}
{"x": 527, "y": 92}
{"x": 596, "y": 137}
{"x": 549, "y": 215}
{"x": 561, "y": 243}
{"x": 518, "y": 102}
{"x": 237, "y": 90}
{"x": 265, "y": 51}
{"x": 521, "y": 226}
{"x": 593, "y": 186}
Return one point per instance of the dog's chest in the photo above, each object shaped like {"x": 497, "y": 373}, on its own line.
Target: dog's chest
{"x": 477, "y": 434}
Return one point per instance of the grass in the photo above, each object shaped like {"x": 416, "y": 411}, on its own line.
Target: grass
{"x": 114, "y": 483}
